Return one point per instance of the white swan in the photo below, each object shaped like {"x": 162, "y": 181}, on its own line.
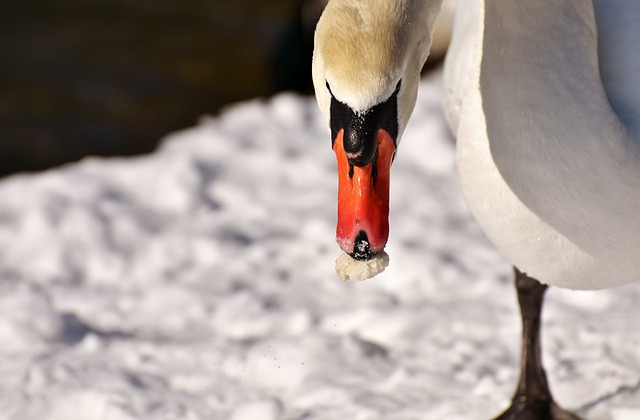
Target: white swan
{"x": 544, "y": 99}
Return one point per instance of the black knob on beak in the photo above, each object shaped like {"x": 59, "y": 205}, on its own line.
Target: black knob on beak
{"x": 360, "y": 138}
{"x": 361, "y": 128}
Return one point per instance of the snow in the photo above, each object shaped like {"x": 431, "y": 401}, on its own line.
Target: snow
{"x": 198, "y": 283}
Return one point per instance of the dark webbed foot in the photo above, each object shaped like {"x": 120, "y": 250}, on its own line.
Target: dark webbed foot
{"x": 533, "y": 400}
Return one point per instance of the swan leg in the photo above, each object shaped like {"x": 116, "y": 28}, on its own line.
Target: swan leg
{"x": 532, "y": 400}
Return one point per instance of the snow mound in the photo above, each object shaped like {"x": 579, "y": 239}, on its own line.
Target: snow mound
{"x": 198, "y": 283}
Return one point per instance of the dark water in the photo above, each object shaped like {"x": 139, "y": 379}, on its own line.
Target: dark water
{"x": 86, "y": 77}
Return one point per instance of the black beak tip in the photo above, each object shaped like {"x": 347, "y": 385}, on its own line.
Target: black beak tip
{"x": 362, "y": 249}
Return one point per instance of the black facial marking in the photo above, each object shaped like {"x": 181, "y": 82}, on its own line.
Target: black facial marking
{"x": 361, "y": 128}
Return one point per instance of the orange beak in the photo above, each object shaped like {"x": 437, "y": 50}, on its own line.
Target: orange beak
{"x": 363, "y": 199}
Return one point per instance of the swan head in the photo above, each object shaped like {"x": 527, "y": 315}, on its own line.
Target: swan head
{"x": 366, "y": 68}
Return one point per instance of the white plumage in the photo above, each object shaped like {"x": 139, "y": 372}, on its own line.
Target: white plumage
{"x": 547, "y": 166}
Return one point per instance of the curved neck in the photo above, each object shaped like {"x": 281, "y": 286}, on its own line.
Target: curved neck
{"x": 553, "y": 133}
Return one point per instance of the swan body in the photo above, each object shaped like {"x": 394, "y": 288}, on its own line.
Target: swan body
{"x": 544, "y": 100}
{"x": 546, "y": 165}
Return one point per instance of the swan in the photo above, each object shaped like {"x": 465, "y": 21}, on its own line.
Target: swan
{"x": 544, "y": 100}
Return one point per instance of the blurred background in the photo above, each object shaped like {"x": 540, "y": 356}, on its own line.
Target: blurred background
{"x": 112, "y": 77}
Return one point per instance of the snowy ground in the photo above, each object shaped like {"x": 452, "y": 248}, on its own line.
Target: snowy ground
{"x": 198, "y": 283}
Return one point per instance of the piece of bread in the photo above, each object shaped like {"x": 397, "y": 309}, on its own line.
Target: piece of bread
{"x": 351, "y": 269}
